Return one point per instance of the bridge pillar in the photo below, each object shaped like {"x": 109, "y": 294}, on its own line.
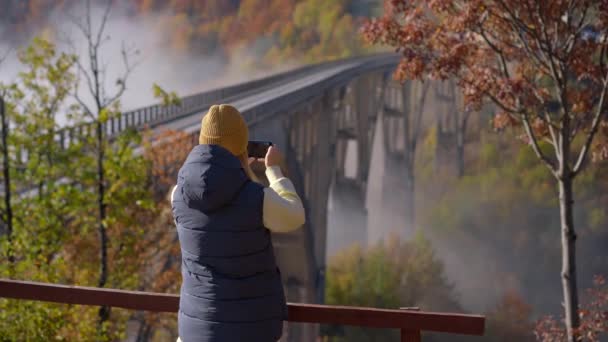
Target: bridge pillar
{"x": 385, "y": 191}
{"x": 322, "y": 179}
{"x": 355, "y": 123}
{"x": 448, "y": 117}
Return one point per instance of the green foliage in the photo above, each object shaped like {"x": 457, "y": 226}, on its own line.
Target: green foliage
{"x": 33, "y": 104}
{"x": 55, "y": 234}
{"x": 31, "y": 321}
{"x": 301, "y": 30}
{"x": 167, "y": 98}
{"x": 390, "y": 275}
{"x": 320, "y": 30}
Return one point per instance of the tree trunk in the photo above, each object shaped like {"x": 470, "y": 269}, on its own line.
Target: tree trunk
{"x": 566, "y": 205}
{"x": 104, "y": 311}
{"x": 8, "y": 219}
{"x": 143, "y": 332}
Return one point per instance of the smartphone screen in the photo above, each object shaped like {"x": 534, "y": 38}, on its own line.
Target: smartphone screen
{"x": 258, "y": 149}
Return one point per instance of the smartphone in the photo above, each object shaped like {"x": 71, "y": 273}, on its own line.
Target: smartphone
{"x": 258, "y": 149}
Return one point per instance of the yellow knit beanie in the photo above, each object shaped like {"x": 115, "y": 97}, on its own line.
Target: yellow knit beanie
{"x": 224, "y": 125}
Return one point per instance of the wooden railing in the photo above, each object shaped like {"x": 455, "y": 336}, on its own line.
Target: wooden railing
{"x": 411, "y": 323}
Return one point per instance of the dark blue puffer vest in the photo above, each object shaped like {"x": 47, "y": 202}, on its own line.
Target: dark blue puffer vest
{"x": 231, "y": 289}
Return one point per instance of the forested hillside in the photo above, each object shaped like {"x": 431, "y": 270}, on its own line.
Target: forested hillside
{"x": 271, "y": 30}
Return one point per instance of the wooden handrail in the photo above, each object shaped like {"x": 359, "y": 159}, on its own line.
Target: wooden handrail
{"x": 410, "y": 322}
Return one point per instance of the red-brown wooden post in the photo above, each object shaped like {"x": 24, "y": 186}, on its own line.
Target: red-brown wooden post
{"x": 410, "y": 336}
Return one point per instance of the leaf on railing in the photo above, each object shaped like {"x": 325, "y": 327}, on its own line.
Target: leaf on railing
{"x": 167, "y": 98}
{"x": 103, "y": 115}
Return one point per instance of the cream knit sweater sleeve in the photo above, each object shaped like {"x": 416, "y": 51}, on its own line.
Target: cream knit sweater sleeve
{"x": 283, "y": 209}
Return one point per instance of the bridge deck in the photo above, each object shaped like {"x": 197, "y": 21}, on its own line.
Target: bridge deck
{"x": 257, "y": 98}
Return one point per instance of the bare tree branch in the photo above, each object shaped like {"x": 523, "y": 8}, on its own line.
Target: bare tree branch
{"x": 534, "y": 142}
{"x": 559, "y": 77}
{"x": 503, "y": 62}
{"x": 550, "y": 55}
{"x": 102, "y": 25}
{"x": 526, "y": 122}
{"x": 102, "y": 75}
{"x": 518, "y": 24}
{"x": 570, "y": 43}
{"x": 545, "y": 117}
{"x": 594, "y": 127}
{"x": 515, "y": 18}
{"x": 500, "y": 104}
{"x": 519, "y": 28}
{"x": 4, "y": 56}
{"x": 95, "y": 73}
{"x": 81, "y": 71}
{"x": 87, "y": 109}
{"x": 546, "y": 46}
{"x": 123, "y": 80}
{"x": 85, "y": 30}
{"x": 602, "y": 57}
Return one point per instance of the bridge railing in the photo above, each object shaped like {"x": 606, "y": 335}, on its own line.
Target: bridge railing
{"x": 410, "y": 323}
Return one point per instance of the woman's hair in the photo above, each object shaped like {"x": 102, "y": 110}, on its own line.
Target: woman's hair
{"x": 244, "y": 159}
